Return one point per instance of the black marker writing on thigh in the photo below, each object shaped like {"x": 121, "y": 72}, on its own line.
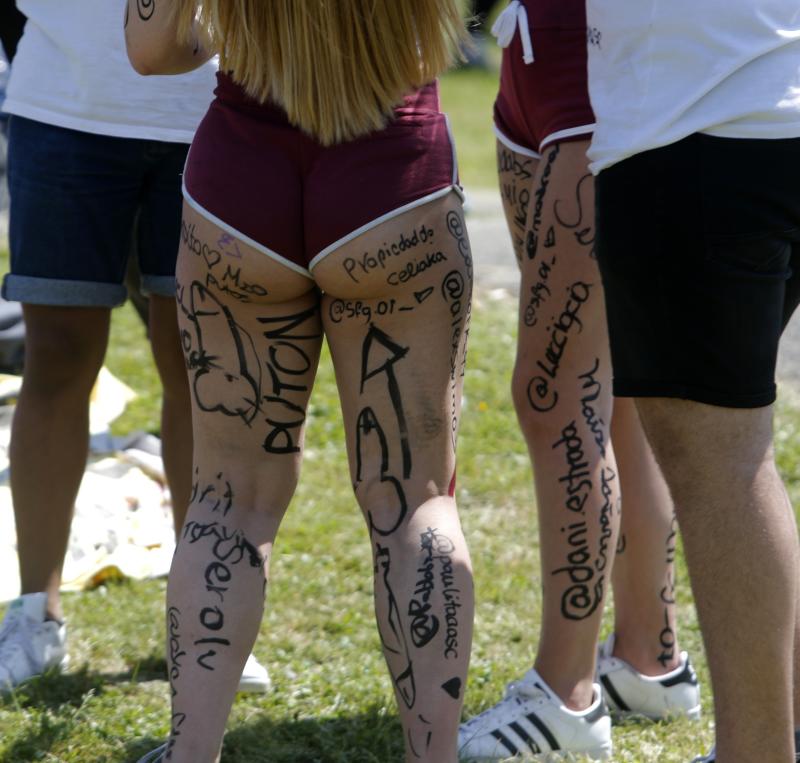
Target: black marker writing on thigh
{"x": 293, "y": 340}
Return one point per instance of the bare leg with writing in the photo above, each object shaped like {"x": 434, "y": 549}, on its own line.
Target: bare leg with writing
{"x": 398, "y": 335}
{"x": 251, "y": 356}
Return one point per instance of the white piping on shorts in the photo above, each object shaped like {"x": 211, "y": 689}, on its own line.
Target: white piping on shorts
{"x": 453, "y": 149}
{"x": 570, "y": 132}
{"x": 405, "y": 208}
{"x": 508, "y": 143}
{"x": 382, "y": 219}
{"x": 514, "y": 17}
{"x": 241, "y": 236}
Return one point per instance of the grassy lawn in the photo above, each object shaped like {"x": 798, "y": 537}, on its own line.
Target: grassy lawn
{"x": 332, "y": 702}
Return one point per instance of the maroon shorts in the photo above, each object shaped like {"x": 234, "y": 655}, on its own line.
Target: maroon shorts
{"x": 264, "y": 181}
{"x": 547, "y": 100}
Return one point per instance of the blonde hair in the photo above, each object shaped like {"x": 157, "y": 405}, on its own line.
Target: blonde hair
{"x": 338, "y": 67}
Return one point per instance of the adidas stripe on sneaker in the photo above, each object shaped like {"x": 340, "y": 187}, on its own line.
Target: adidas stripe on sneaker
{"x": 532, "y": 722}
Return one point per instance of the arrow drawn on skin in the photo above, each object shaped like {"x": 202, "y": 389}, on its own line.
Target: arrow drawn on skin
{"x": 379, "y": 355}
{"x": 421, "y": 296}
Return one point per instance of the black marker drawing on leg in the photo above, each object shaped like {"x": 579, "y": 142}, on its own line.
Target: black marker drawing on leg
{"x": 584, "y": 591}
{"x": 454, "y": 291}
{"x": 378, "y": 356}
{"x": 582, "y": 229}
{"x": 177, "y": 720}
{"x": 515, "y": 173}
{"x": 145, "y": 9}
{"x": 288, "y": 363}
{"x": 439, "y": 548}
{"x": 453, "y": 687}
{"x": 421, "y": 296}
{"x": 532, "y": 240}
{"x": 176, "y": 652}
{"x": 227, "y": 376}
{"x": 540, "y": 395}
{"x": 424, "y": 623}
{"x": 216, "y": 495}
{"x": 455, "y": 225}
{"x": 592, "y": 389}
{"x": 666, "y": 637}
{"x": 391, "y": 631}
{"x": 229, "y": 548}
{"x": 366, "y": 426}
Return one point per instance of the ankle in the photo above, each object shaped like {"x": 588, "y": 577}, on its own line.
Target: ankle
{"x": 577, "y": 695}
{"x": 53, "y": 610}
{"x": 646, "y": 660}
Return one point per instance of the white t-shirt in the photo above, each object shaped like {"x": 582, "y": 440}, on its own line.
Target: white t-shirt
{"x": 71, "y": 70}
{"x": 660, "y": 70}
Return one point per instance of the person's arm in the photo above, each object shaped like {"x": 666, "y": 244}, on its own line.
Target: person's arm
{"x": 151, "y": 36}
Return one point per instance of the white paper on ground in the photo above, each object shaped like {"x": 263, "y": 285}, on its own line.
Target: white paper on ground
{"x": 123, "y": 520}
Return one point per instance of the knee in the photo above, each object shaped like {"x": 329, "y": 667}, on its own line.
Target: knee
{"x": 384, "y": 503}
{"x": 546, "y": 408}
{"x": 535, "y": 400}
{"x": 171, "y": 367}
{"x": 406, "y": 510}
{"x": 166, "y": 347}
{"x": 234, "y": 482}
{"x": 61, "y": 360}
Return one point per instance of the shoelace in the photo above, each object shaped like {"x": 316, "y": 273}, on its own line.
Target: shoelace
{"x": 514, "y": 17}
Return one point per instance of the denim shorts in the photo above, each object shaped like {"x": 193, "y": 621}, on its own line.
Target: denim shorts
{"x": 699, "y": 248}
{"x": 80, "y": 204}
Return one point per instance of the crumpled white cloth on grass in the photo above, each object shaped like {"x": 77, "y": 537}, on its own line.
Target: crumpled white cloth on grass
{"x": 123, "y": 519}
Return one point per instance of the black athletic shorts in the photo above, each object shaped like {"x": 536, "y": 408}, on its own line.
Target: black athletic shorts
{"x": 699, "y": 248}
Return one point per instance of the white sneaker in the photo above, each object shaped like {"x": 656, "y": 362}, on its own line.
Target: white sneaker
{"x": 254, "y": 678}
{"x": 628, "y": 692}
{"x": 531, "y": 721}
{"x": 29, "y": 644}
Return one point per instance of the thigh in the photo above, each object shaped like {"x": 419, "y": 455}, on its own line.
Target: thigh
{"x": 562, "y": 351}
{"x": 159, "y": 220}
{"x": 64, "y": 346}
{"x": 74, "y": 199}
{"x": 707, "y": 449}
{"x": 251, "y": 360}
{"x": 398, "y": 341}
{"x": 516, "y": 172}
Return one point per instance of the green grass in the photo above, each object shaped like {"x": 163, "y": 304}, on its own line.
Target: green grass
{"x": 468, "y": 97}
{"x": 332, "y": 701}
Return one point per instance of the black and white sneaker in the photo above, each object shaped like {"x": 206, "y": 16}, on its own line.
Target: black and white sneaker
{"x": 629, "y": 693}
{"x": 532, "y": 722}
